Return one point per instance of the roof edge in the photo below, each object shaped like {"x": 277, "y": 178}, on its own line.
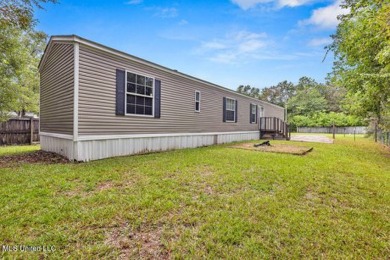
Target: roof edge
{"x": 75, "y": 38}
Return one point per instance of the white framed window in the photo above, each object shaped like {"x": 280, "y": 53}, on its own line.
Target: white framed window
{"x": 197, "y": 101}
{"x": 139, "y": 95}
{"x": 253, "y": 113}
{"x": 230, "y": 110}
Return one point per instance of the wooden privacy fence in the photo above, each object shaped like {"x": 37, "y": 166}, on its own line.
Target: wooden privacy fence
{"x": 19, "y": 131}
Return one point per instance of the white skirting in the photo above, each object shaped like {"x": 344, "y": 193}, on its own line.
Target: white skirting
{"x": 58, "y": 145}
{"x": 99, "y": 147}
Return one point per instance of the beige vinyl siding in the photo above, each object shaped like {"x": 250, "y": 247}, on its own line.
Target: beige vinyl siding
{"x": 56, "y": 90}
{"x": 273, "y": 111}
{"x": 97, "y": 88}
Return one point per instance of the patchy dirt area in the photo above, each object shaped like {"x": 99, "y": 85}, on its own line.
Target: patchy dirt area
{"x": 31, "y": 157}
{"x": 139, "y": 244}
{"x": 275, "y": 148}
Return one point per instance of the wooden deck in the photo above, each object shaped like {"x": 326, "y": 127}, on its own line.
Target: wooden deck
{"x": 273, "y": 127}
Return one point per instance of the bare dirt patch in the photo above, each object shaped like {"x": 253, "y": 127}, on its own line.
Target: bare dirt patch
{"x": 275, "y": 148}
{"x": 32, "y": 158}
{"x": 208, "y": 190}
{"x": 144, "y": 244}
{"x": 205, "y": 170}
{"x": 105, "y": 186}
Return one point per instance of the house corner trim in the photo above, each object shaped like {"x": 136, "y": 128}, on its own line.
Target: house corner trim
{"x": 76, "y": 99}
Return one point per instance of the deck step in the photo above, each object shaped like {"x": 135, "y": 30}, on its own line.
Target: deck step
{"x": 273, "y": 137}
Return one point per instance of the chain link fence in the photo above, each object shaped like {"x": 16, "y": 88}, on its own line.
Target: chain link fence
{"x": 384, "y": 137}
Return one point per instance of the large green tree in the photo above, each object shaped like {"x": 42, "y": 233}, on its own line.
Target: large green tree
{"x": 19, "y": 85}
{"x": 248, "y": 90}
{"x": 278, "y": 94}
{"x": 20, "y": 50}
{"x": 307, "y": 101}
{"x": 307, "y": 97}
{"x": 362, "y": 52}
{"x": 19, "y": 13}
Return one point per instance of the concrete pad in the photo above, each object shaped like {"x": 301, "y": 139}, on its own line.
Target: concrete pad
{"x": 312, "y": 138}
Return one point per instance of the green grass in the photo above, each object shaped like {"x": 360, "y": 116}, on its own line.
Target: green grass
{"x": 212, "y": 202}
{"x": 11, "y": 150}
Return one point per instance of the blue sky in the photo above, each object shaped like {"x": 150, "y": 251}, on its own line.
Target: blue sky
{"x": 231, "y": 42}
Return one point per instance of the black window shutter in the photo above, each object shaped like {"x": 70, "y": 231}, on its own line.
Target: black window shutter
{"x": 120, "y": 92}
{"x": 224, "y": 110}
{"x": 236, "y": 113}
{"x": 257, "y": 107}
{"x": 250, "y": 113}
{"x": 157, "y": 98}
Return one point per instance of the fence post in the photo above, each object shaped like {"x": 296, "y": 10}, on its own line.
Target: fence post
{"x": 334, "y": 131}
{"x": 376, "y": 132}
{"x": 388, "y": 141}
{"x": 31, "y": 130}
{"x": 289, "y": 132}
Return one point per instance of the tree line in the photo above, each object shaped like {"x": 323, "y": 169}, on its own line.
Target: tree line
{"x": 308, "y": 102}
{"x": 358, "y": 88}
{"x": 361, "y": 46}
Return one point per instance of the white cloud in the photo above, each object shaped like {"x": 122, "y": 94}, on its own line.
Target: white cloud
{"x": 248, "y": 4}
{"x": 326, "y": 17}
{"x": 250, "y": 46}
{"x": 163, "y": 12}
{"x": 167, "y": 12}
{"x": 224, "y": 57}
{"x": 183, "y": 22}
{"x": 320, "y": 41}
{"x": 234, "y": 47}
{"x": 134, "y": 2}
{"x": 213, "y": 45}
{"x": 293, "y": 3}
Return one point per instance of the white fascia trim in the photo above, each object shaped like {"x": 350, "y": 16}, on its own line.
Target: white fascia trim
{"x": 62, "y": 136}
{"x": 107, "y": 137}
{"x": 76, "y": 92}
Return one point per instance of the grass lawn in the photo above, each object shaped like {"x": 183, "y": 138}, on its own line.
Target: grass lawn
{"x": 212, "y": 202}
{"x": 11, "y": 150}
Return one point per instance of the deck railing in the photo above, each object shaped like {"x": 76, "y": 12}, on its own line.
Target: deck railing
{"x": 274, "y": 125}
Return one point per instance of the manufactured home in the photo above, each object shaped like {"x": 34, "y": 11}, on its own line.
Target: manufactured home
{"x": 98, "y": 102}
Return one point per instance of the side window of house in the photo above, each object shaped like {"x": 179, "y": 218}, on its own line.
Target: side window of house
{"x": 197, "y": 101}
{"x": 229, "y": 110}
{"x": 253, "y": 113}
{"x": 139, "y": 94}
